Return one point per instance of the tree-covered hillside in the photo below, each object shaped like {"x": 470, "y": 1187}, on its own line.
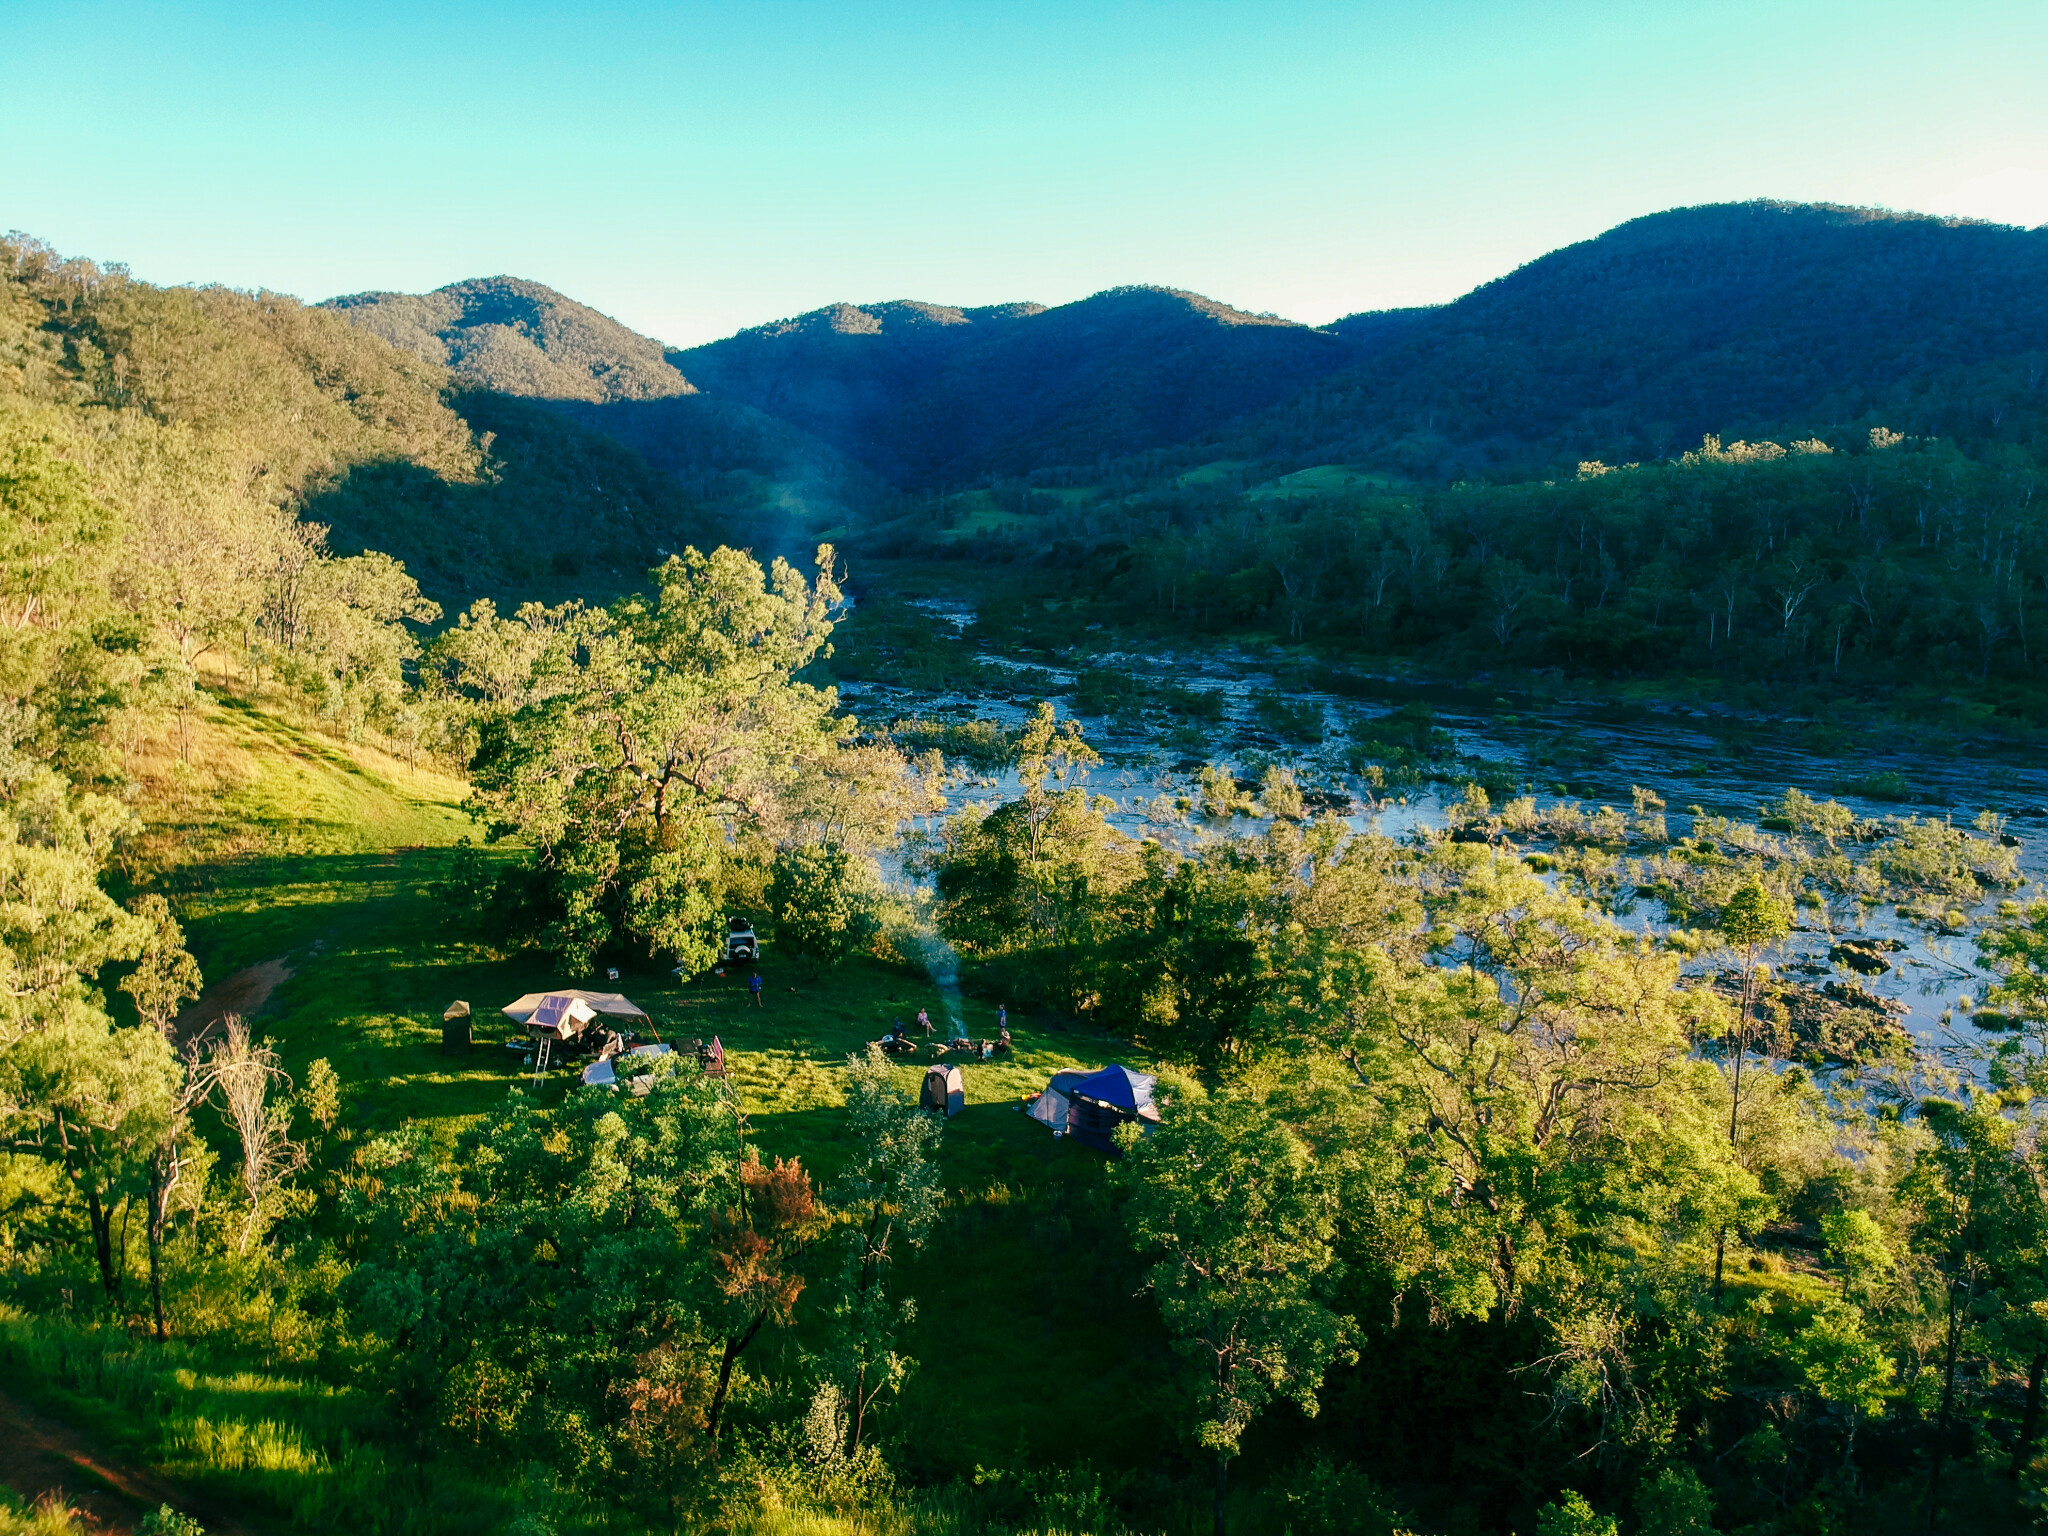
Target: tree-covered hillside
{"x": 518, "y": 338}
{"x": 1750, "y": 320}
{"x": 507, "y": 340}
{"x": 182, "y": 399}
{"x": 928, "y": 395}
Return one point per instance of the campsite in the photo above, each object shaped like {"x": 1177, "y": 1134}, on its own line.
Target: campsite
{"x": 1125, "y": 917}
{"x": 1027, "y": 1284}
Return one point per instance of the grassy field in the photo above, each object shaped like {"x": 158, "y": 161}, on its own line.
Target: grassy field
{"x": 320, "y": 865}
{"x": 1025, "y": 1290}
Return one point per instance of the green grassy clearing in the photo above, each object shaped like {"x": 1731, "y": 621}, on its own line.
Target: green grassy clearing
{"x": 985, "y": 520}
{"x": 1212, "y": 473}
{"x": 1025, "y": 1297}
{"x": 1025, "y": 1290}
{"x": 1320, "y": 480}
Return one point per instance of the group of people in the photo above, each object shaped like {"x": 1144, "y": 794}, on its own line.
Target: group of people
{"x": 898, "y": 1039}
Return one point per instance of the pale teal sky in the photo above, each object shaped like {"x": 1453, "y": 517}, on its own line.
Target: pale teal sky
{"x": 695, "y": 168}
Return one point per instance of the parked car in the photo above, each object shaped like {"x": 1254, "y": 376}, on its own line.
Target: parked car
{"x": 740, "y": 943}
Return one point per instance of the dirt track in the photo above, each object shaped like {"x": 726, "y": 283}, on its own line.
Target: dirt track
{"x": 242, "y": 993}
{"x": 41, "y": 1457}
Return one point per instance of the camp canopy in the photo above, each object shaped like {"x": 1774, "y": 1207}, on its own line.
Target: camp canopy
{"x": 565, "y": 1013}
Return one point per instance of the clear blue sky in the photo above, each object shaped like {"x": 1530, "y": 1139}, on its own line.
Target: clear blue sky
{"x": 695, "y": 168}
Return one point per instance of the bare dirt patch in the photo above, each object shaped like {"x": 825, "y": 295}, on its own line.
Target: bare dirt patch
{"x": 43, "y": 1458}
{"x": 242, "y": 993}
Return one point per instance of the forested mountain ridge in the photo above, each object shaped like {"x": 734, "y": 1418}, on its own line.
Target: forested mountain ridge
{"x": 518, "y": 338}
{"x": 925, "y": 395}
{"x": 233, "y": 483}
{"x": 1748, "y": 320}
{"x": 508, "y": 340}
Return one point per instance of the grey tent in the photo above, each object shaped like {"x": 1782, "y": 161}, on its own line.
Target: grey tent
{"x": 456, "y": 1039}
{"x": 945, "y": 1090}
{"x": 1051, "y": 1107}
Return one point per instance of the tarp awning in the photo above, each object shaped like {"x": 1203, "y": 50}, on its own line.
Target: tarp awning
{"x": 605, "y": 1073}
{"x": 547, "y": 1010}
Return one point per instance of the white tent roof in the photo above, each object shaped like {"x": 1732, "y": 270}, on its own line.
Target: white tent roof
{"x": 595, "y": 1002}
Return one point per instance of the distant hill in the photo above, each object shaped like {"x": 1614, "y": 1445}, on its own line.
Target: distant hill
{"x": 1752, "y": 319}
{"x": 923, "y": 393}
{"x": 518, "y": 338}
{"x": 765, "y": 479}
{"x": 208, "y": 408}
{"x": 1748, "y": 319}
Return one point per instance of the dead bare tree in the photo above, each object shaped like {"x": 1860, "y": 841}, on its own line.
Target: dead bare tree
{"x": 253, "y": 1092}
{"x": 167, "y": 1167}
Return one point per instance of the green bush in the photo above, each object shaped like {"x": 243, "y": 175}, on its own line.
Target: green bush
{"x": 166, "y": 1521}
{"x": 1294, "y": 719}
{"x": 1100, "y": 691}
{"x": 1194, "y": 703}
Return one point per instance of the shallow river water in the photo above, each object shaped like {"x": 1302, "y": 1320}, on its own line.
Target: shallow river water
{"x": 1580, "y": 751}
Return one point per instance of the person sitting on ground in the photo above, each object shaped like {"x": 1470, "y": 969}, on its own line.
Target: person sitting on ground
{"x": 1002, "y": 1037}
{"x": 924, "y": 1021}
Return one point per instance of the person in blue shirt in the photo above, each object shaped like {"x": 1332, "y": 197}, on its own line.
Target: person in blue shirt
{"x": 754, "y": 986}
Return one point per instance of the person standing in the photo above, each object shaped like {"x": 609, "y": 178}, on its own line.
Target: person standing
{"x": 1002, "y": 1021}
{"x": 754, "y": 987}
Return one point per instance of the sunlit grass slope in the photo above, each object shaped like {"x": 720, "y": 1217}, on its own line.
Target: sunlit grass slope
{"x": 327, "y": 859}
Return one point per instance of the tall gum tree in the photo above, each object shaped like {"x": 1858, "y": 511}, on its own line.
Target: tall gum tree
{"x": 664, "y": 731}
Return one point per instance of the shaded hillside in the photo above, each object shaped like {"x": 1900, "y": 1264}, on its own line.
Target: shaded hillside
{"x": 844, "y": 373}
{"x": 203, "y": 416}
{"x": 518, "y": 338}
{"x": 925, "y": 394}
{"x": 772, "y": 483}
{"x": 557, "y": 510}
{"x": 768, "y": 486}
{"x": 1747, "y": 320}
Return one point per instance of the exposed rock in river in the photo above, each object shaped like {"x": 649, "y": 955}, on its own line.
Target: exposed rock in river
{"x": 1865, "y": 955}
{"x": 1838, "y": 1024}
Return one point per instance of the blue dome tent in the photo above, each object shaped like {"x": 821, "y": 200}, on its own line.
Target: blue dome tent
{"x": 1089, "y": 1106}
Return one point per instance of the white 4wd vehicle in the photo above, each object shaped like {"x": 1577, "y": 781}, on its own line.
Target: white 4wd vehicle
{"x": 740, "y": 943}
